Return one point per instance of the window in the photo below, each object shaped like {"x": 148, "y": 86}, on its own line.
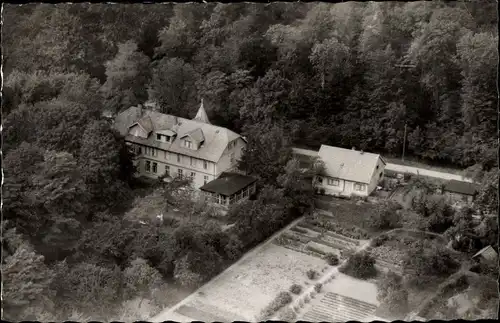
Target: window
{"x": 193, "y": 174}
{"x": 148, "y": 166}
{"x": 320, "y": 180}
{"x": 232, "y": 158}
{"x": 187, "y": 143}
{"x": 205, "y": 164}
{"x": 333, "y": 182}
{"x": 167, "y": 138}
{"x": 178, "y": 158}
{"x": 380, "y": 175}
{"x": 158, "y": 136}
{"x": 154, "y": 152}
{"x": 192, "y": 161}
{"x": 359, "y": 187}
{"x": 139, "y": 150}
{"x": 155, "y": 167}
{"x": 205, "y": 179}
{"x": 179, "y": 173}
{"x": 377, "y": 166}
{"x": 166, "y": 155}
{"x": 167, "y": 170}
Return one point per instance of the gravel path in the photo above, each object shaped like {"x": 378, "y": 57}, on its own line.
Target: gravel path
{"x": 425, "y": 172}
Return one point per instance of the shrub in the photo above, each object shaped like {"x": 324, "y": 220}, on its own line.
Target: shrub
{"x": 296, "y": 289}
{"x": 282, "y": 299}
{"x": 318, "y": 287}
{"x": 312, "y": 274}
{"x": 287, "y": 315}
{"x": 360, "y": 265}
{"x": 380, "y": 240}
{"x": 385, "y": 216}
{"x": 307, "y": 299}
{"x": 322, "y": 191}
{"x": 392, "y": 293}
{"x": 429, "y": 259}
{"x": 332, "y": 259}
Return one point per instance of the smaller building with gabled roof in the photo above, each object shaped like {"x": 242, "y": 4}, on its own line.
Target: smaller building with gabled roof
{"x": 347, "y": 172}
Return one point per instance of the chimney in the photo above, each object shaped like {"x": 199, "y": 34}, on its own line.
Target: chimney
{"x": 353, "y": 148}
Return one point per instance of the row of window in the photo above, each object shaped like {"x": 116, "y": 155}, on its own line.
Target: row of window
{"x": 336, "y": 182}
{"x": 152, "y": 167}
{"x": 195, "y": 162}
{"x": 164, "y": 138}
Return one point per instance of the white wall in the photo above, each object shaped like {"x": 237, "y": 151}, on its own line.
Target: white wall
{"x": 345, "y": 188}
{"x": 377, "y": 176}
{"x": 224, "y": 163}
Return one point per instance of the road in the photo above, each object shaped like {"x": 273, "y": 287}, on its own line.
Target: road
{"x": 425, "y": 172}
{"x": 170, "y": 314}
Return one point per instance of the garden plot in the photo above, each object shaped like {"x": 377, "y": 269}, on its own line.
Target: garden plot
{"x": 246, "y": 288}
{"x": 343, "y": 299}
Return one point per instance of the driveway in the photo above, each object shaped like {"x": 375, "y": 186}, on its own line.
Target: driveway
{"x": 425, "y": 172}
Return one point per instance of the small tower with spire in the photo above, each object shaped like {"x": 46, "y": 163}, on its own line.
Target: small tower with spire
{"x": 201, "y": 115}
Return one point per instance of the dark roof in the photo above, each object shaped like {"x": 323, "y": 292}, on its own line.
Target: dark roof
{"x": 228, "y": 184}
{"x": 460, "y": 187}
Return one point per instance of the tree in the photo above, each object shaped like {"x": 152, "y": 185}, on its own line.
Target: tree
{"x": 59, "y": 193}
{"x": 385, "y": 216}
{"x": 266, "y": 101}
{"x": 127, "y": 75}
{"x": 392, "y": 293}
{"x": 427, "y": 259}
{"x": 140, "y": 279}
{"x": 26, "y": 282}
{"x": 173, "y": 86}
{"x": 268, "y": 163}
{"x": 331, "y": 60}
{"x": 96, "y": 289}
{"x": 360, "y": 265}
{"x": 99, "y": 163}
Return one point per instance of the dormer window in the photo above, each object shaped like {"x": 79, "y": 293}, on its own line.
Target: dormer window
{"x": 188, "y": 144}
{"x": 158, "y": 137}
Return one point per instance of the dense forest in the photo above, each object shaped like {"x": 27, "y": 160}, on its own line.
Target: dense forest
{"x": 350, "y": 74}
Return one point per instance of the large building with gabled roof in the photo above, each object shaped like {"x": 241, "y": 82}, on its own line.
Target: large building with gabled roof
{"x": 179, "y": 147}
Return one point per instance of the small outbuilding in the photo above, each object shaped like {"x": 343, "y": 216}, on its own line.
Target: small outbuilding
{"x": 487, "y": 254}
{"x": 459, "y": 191}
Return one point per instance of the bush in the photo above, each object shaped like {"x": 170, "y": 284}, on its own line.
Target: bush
{"x": 332, "y": 259}
{"x": 287, "y": 315}
{"x": 429, "y": 259}
{"x": 322, "y": 191}
{"x": 296, "y": 289}
{"x": 360, "y": 265}
{"x": 312, "y": 274}
{"x": 318, "y": 287}
{"x": 380, "y": 240}
{"x": 283, "y": 298}
{"x": 385, "y": 216}
{"x": 392, "y": 293}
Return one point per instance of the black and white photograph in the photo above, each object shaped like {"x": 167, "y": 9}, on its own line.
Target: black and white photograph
{"x": 246, "y": 161}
